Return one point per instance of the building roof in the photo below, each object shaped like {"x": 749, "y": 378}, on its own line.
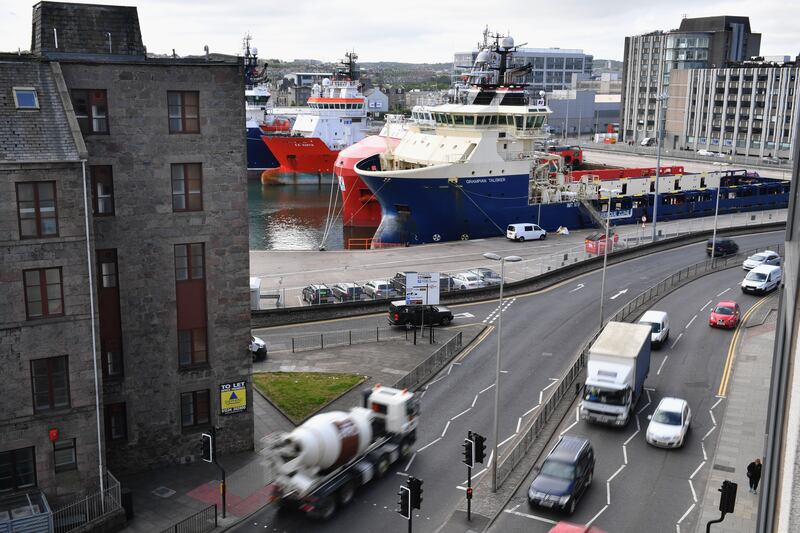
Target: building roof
{"x": 713, "y": 23}
{"x": 33, "y": 135}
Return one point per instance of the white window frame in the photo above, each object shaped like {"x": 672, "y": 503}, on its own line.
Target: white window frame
{"x": 31, "y": 89}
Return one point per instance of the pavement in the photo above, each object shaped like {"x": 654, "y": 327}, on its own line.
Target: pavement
{"x": 167, "y": 496}
{"x": 742, "y": 434}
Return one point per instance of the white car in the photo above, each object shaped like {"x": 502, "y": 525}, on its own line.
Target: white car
{"x": 767, "y": 257}
{"x": 467, "y": 280}
{"x": 669, "y": 423}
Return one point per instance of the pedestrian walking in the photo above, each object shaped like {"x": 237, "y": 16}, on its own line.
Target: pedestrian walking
{"x": 754, "y": 474}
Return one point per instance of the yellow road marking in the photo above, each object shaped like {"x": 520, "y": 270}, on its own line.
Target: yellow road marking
{"x": 726, "y": 373}
{"x": 475, "y": 343}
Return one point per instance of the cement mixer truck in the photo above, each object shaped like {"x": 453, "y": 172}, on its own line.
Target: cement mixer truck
{"x": 321, "y": 463}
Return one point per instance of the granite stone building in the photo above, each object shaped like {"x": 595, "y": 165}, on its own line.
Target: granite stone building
{"x": 159, "y": 145}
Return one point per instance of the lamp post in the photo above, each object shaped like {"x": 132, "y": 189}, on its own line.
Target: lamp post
{"x": 659, "y": 141}
{"x": 510, "y": 259}
{"x": 716, "y": 214}
{"x": 611, "y": 193}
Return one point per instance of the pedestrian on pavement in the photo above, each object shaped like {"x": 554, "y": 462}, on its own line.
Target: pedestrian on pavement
{"x": 754, "y": 474}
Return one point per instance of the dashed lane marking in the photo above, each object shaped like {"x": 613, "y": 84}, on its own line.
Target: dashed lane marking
{"x": 690, "y": 322}
{"x": 676, "y": 340}
{"x": 662, "y": 364}
{"x": 465, "y": 411}
{"x": 723, "y": 292}
{"x": 707, "y": 304}
{"x": 430, "y": 444}
{"x": 531, "y": 516}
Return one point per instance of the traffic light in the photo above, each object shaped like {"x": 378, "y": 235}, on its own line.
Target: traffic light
{"x": 469, "y": 451}
{"x": 405, "y": 502}
{"x": 208, "y": 448}
{"x": 480, "y": 447}
{"x": 728, "y": 499}
{"x": 415, "y": 486}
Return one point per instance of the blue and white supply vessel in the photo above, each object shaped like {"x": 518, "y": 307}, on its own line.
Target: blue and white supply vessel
{"x": 483, "y": 167}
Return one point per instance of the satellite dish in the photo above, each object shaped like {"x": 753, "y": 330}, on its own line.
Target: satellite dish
{"x": 255, "y": 51}
{"x": 326, "y": 82}
{"x": 484, "y": 56}
{"x": 508, "y": 42}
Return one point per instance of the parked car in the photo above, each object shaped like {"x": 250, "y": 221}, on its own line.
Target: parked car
{"x": 347, "y": 292}
{"x": 526, "y": 231}
{"x": 771, "y": 160}
{"x": 401, "y": 313}
{"x": 564, "y": 476}
{"x": 724, "y": 315}
{"x": 709, "y": 153}
{"x": 398, "y": 282}
{"x": 648, "y": 141}
{"x": 669, "y": 423}
{"x": 659, "y": 327}
{"x": 762, "y": 279}
{"x": 318, "y": 294}
{"x": 767, "y": 257}
{"x": 446, "y": 283}
{"x": 468, "y": 280}
{"x": 487, "y": 275}
{"x": 378, "y": 288}
{"x": 595, "y": 243}
{"x": 722, "y": 247}
{"x": 258, "y": 348}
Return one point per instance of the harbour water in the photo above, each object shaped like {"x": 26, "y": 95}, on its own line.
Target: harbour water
{"x": 291, "y": 212}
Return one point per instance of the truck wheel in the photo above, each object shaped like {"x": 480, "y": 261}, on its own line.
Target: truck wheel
{"x": 347, "y": 493}
{"x": 327, "y": 508}
{"x": 382, "y": 465}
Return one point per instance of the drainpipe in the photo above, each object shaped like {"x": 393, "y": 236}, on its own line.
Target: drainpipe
{"x": 94, "y": 342}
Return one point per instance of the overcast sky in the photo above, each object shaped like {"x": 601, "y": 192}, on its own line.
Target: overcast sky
{"x": 413, "y": 30}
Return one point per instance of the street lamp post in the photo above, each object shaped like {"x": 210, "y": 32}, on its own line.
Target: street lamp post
{"x": 496, "y": 457}
{"x": 611, "y": 193}
{"x": 659, "y": 141}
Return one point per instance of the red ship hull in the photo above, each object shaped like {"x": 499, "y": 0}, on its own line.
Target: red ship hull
{"x": 360, "y": 208}
{"x": 301, "y": 154}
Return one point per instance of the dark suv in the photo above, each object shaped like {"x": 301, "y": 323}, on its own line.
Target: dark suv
{"x": 318, "y": 294}
{"x": 398, "y": 282}
{"x": 564, "y": 476}
{"x": 722, "y": 247}
{"x": 402, "y": 314}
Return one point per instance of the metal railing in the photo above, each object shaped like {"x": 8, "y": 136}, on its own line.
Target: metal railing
{"x": 423, "y": 371}
{"x": 200, "y": 522}
{"x": 92, "y": 508}
{"x": 27, "y": 512}
{"x": 332, "y": 339}
{"x": 520, "y": 446}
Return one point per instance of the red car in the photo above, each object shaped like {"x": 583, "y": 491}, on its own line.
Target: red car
{"x": 724, "y": 315}
{"x": 566, "y": 527}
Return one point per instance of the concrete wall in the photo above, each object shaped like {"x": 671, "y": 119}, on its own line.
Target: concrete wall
{"x": 144, "y": 230}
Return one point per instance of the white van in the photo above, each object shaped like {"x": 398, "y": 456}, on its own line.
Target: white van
{"x": 526, "y": 231}
{"x": 659, "y": 327}
{"x": 762, "y": 279}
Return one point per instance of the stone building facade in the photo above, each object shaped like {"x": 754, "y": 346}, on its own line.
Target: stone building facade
{"x": 160, "y": 146}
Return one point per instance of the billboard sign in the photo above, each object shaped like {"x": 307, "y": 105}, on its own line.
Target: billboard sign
{"x": 422, "y": 288}
{"x": 233, "y": 397}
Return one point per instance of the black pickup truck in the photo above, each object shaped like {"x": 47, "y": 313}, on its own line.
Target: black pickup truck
{"x": 401, "y": 314}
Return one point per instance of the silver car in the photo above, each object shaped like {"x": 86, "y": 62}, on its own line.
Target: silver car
{"x": 767, "y": 257}
{"x": 378, "y": 288}
{"x": 467, "y": 280}
{"x": 487, "y": 275}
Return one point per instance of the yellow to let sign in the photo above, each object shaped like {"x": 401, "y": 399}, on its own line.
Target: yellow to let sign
{"x": 233, "y": 397}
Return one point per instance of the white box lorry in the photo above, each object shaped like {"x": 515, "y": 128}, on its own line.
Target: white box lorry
{"x": 617, "y": 367}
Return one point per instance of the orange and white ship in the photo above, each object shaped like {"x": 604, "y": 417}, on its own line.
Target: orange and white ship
{"x": 336, "y": 119}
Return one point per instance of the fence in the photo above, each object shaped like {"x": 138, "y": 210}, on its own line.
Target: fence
{"x": 200, "y": 522}
{"x": 93, "y": 508}
{"x": 520, "y": 446}
{"x": 423, "y": 371}
{"x": 331, "y": 339}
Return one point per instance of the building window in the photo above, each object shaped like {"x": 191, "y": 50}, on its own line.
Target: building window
{"x": 195, "y": 409}
{"x": 26, "y": 98}
{"x": 91, "y": 110}
{"x": 184, "y": 111}
{"x": 44, "y": 293}
{"x": 187, "y": 187}
{"x": 108, "y": 269}
{"x": 102, "y": 190}
{"x": 50, "y": 380}
{"x": 192, "y": 348}
{"x": 116, "y": 421}
{"x": 189, "y": 262}
{"x": 36, "y": 209}
{"x": 64, "y": 455}
{"x": 17, "y": 469}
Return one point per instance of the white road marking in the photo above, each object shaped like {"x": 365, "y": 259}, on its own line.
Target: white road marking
{"x": 489, "y": 462}
{"x": 630, "y": 438}
{"x": 690, "y": 322}
{"x": 577, "y": 413}
{"x": 710, "y": 431}
{"x": 662, "y": 364}
{"x": 449, "y": 369}
{"x": 723, "y": 292}
{"x": 713, "y": 420}
{"x": 430, "y": 444}
{"x": 463, "y": 315}
{"x": 532, "y": 517}
{"x": 579, "y": 287}
{"x": 487, "y": 388}
{"x": 465, "y": 411}
{"x": 519, "y": 423}
{"x": 568, "y": 428}
{"x": 689, "y": 510}
{"x": 504, "y": 371}
{"x": 625, "y": 454}
{"x": 474, "y": 400}
{"x": 508, "y": 439}
{"x": 445, "y": 428}
{"x": 703, "y": 447}
{"x": 476, "y": 474}
{"x": 696, "y": 470}
{"x": 589, "y": 523}
{"x": 410, "y": 461}
{"x": 707, "y": 304}
{"x": 719, "y": 399}
{"x": 620, "y": 469}
{"x": 676, "y": 340}
{"x": 529, "y": 411}
{"x": 620, "y": 293}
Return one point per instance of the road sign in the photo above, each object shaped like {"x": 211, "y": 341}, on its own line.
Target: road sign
{"x": 422, "y": 288}
{"x": 233, "y": 397}
{"x": 622, "y": 213}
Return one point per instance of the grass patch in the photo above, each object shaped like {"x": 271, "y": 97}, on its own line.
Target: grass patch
{"x": 299, "y": 394}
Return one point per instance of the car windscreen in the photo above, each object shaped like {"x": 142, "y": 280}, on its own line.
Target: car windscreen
{"x": 756, "y": 276}
{"x": 722, "y": 310}
{"x": 655, "y": 327}
{"x": 758, "y": 258}
{"x": 611, "y": 397}
{"x": 510, "y": 228}
{"x": 558, "y": 470}
{"x": 670, "y": 418}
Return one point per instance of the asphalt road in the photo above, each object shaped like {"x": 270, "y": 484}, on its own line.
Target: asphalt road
{"x": 633, "y": 479}
{"x": 541, "y": 334}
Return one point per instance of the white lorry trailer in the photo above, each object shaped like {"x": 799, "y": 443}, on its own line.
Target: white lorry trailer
{"x": 320, "y": 464}
{"x": 617, "y": 367}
